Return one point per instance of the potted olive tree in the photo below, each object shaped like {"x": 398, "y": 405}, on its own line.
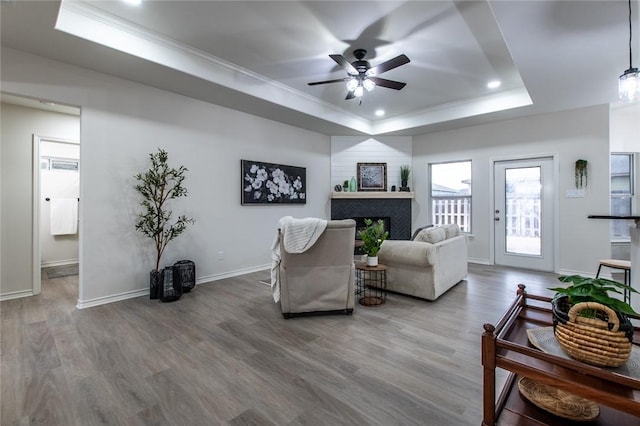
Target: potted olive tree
{"x": 159, "y": 184}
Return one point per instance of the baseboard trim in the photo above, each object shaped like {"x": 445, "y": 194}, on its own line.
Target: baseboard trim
{"x": 90, "y": 303}
{"x": 231, "y": 274}
{"x": 16, "y": 295}
{"x": 59, "y": 263}
{"x": 584, "y": 274}
{"x": 479, "y": 261}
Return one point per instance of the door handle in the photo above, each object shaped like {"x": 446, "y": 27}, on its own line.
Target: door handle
{"x": 497, "y": 219}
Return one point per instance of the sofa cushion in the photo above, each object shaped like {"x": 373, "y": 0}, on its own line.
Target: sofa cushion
{"x": 451, "y": 230}
{"x": 417, "y": 231}
{"x": 431, "y": 235}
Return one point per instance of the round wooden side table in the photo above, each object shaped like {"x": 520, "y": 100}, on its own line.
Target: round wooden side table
{"x": 371, "y": 284}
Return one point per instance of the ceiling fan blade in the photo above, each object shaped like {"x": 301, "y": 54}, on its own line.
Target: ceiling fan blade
{"x": 389, "y": 65}
{"x": 390, "y": 84}
{"x": 340, "y": 60}
{"x": 350, "y": 95}
{"x": 337, "y": 80}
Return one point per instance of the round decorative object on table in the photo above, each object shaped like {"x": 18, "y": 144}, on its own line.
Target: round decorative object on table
{"x": 371, "y": 284}
{"x": 557, "y": 401}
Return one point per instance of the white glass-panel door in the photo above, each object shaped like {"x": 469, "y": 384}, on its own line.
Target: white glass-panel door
{"x": 523, "y": 213}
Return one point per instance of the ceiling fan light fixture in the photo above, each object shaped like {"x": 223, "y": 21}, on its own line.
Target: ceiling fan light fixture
{"x": 629, "y": 81}
{"x": 358, "y": 91}
{"x": 352, "y": 84}
{"x": 368, "y": 85}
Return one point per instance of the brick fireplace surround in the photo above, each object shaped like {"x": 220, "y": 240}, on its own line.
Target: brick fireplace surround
{"x": 394, "y": 205}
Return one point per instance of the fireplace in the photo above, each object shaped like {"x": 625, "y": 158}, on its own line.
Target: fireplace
{"x": 396, "y": 212}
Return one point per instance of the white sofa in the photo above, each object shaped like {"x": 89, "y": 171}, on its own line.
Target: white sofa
{"x": 427, "y": 266}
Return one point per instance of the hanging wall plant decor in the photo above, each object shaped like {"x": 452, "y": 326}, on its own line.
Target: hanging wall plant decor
{"x": 581, "y": 174}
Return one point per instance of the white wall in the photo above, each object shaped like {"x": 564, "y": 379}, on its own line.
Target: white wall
{"x": 570, "y": 135}
{"x": 19, "y": 124}
{"x": 348, "y": 151}
{"x": 625, "y": 127}
{"x": 121, "y": 123}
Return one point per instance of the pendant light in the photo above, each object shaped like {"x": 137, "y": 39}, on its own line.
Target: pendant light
{"x": 629, "y": 81}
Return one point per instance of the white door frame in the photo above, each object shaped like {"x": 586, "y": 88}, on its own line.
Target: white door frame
{"x": 556, "y": 203}
{"x": 35, "y": 209}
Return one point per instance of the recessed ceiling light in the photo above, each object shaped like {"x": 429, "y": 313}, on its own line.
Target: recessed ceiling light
{"x": 133, "y": 2}
{"x": 379, "y": 113}
{"x": 494, "y": 84}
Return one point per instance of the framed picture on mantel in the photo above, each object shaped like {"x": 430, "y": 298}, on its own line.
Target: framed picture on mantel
{"x": 372, "y": 176}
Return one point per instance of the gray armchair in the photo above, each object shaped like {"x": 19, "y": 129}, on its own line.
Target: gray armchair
{"x": 322, "y": 277}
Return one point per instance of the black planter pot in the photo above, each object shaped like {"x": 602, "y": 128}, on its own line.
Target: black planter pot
{"x": 184, "y": 275}
{"x": 404, "y": 189}
{"x": 155, "y": 283}
{"x": 170, "y": 290}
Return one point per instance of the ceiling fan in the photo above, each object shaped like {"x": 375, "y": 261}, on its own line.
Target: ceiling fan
{"x": 362, "y": 76}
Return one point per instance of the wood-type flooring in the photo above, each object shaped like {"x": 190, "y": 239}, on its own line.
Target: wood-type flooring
{"x": 223, "y": 355}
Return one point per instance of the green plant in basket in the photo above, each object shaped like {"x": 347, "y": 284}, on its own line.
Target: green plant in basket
{"x": 583, "y": 289}
{"x": 372, "y": 237}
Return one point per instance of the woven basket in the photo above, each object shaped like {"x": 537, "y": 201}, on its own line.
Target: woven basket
{"x": 604, "y": 341}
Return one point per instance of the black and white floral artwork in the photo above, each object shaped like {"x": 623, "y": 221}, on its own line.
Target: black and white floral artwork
{"x": 267, "y": 183}
{"x": 372, "y": 176}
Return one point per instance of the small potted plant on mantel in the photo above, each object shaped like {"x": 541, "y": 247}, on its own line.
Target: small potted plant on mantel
{"x": 372, "y": 237}
{"x": 159, "y": 184}
{"x": 590, "y": 325}
{"x": 405, "y": 171}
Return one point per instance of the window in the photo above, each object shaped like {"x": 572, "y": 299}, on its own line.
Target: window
{"x": 451, "y": 194}
{"x": 622, "y": 190}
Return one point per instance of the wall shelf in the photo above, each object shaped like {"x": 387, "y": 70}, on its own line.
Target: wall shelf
{"x": 371, "y": 195}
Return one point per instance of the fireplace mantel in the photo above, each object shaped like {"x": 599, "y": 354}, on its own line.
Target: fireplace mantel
{"x": 370, "y": 195}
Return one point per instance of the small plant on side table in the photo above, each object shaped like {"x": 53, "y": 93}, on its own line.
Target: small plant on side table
{"x": 372, "y": 237}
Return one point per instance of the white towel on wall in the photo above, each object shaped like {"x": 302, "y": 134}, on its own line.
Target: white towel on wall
{"x": 64, "y": 216}
{"x": 298, "y": 236}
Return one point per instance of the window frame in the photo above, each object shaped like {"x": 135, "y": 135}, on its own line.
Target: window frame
{"x": 622, "y": 195}
{"x": 464, "y": 228}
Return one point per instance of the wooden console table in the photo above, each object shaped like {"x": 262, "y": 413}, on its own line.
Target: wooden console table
{"x": 506, "y": 346}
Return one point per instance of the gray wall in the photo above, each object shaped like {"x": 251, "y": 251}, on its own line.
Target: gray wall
{"x": 121, "y": 123}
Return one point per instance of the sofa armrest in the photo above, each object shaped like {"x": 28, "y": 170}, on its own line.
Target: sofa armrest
{"x": 449, "y": 249}
{"x": 405, "y": 252}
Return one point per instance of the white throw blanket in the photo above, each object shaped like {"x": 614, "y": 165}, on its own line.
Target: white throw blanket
{"x": 298, "y": 236}
{"x": 64, "y": 216}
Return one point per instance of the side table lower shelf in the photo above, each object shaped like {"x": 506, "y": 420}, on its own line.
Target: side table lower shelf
{"x": 517, "y": 411}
